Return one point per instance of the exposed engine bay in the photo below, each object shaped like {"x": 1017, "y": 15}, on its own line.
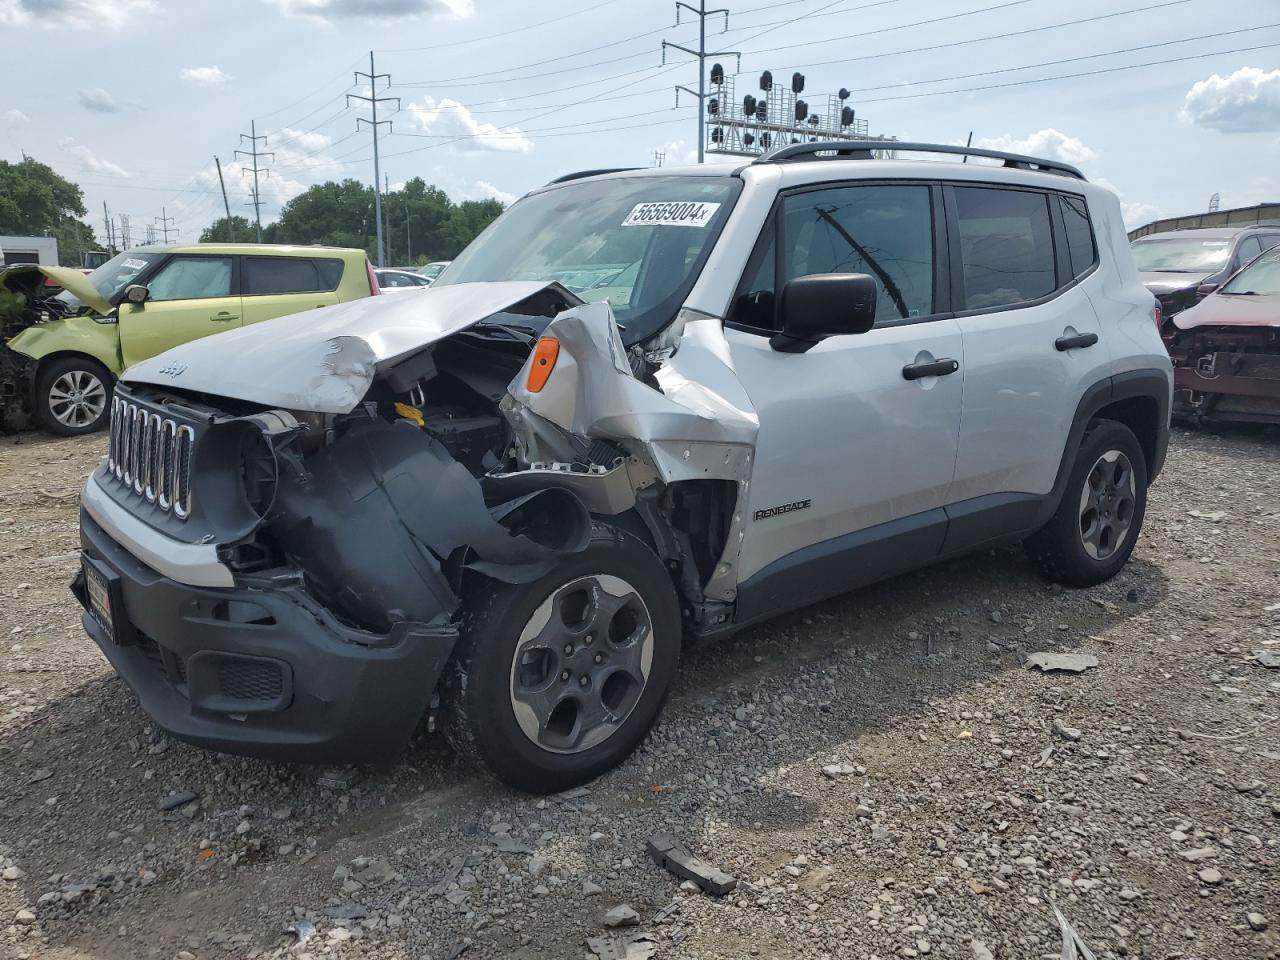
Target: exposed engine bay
{"x": 1226, "y": 373}
{"x": 449, "y": 466}
{"x": 25, "y": 300}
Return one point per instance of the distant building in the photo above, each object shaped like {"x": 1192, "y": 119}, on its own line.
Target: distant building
{"x": 42, "y": 250}
{"x": 1236, "y": 217}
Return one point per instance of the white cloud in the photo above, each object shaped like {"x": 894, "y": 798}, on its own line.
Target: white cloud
{"x": 98, "y": 100}
{"x": 90, "y": 162}
{"x": 448, "y": 119}
{"x": 1049, "y": 143}
{"x": 78, "y": 14}
{"x": 327, "y": 11}
{"x": 487, "y": 191}
{"x": 14, "y": 116}
{"x": 204, "y": 76}
{"x": 1248, "y": 101}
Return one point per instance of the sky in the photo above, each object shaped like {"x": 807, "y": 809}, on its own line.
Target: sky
{"x": 1165, "y": 101}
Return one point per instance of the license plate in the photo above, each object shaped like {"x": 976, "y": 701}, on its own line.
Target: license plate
{"x": 98, "y": 589}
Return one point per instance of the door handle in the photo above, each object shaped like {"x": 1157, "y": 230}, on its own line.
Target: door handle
{"x": 934, "y": 368}
{"x": 224, "y": 316}
{"x": 1079, "y": 340}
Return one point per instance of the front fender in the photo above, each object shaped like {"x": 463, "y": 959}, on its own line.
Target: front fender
{"x": 80, "y": 334}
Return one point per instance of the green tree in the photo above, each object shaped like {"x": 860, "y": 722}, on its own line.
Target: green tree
{"x": 465, "y": 221}
{"x": 36, "y": 201}
{"x": 236, "y": 230}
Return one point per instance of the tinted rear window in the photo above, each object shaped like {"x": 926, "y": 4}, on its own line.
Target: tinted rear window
{"x": 1079, "y": 234}
{"x": 1006, "y": 246}
{"x": 330, "y": 273}
{"x": 268, "y": 275}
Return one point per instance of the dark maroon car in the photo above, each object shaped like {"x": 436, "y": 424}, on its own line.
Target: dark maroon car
{"x": 1226, "y": 349}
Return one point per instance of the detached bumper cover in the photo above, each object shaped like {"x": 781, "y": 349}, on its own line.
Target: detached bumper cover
{"x": 263, "y": 670}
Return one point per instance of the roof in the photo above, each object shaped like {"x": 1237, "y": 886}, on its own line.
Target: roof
{"x": 1200, "y": 233}
{"x": 264, "y": 249}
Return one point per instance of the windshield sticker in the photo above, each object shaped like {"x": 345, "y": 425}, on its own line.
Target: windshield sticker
{"x": 134, "y": 264}
{"x": 676, "y": 213}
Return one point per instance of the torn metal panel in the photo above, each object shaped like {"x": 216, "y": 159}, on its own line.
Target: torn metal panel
{"x": 593, "y": 393}
{"x": 323, "y": 361}
{"x": 604, "y": 491}
{"x": 376, "y": 515}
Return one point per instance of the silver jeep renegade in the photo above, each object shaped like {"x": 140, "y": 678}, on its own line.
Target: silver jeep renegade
{"x": 644, "y": 407}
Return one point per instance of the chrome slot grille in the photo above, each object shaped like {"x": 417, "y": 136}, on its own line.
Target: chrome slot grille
{"x": 151, "y": 455}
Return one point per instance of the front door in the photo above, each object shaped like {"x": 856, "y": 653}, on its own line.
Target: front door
{"x": 190, "y": 296}
{"x": 855, "y": 452}
{"x": 277, "y": 286}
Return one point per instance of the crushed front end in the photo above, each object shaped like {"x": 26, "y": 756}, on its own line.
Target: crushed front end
{"x": 1226, "y": 373}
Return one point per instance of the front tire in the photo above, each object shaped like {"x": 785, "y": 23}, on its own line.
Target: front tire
{"x": 1096, "y": 526}
{"x": 556, "y": 681}
{"x": 73, "y": 396}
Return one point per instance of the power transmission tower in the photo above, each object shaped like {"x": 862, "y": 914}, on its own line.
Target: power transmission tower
{"x": 231, "y": 233}
{"x": 373, "y": 100}
{"x": 151, "y": 233}
{"x": 658, "y": 157}
{"x": 701, "y": 53}
{"x": 163, "y": 222}
{"x": 1214, "y": 202}
{"x": 124, "y": 231}
{"x": 254, "y": 153}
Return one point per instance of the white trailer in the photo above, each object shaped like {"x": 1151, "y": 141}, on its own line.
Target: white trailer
{"x": 41, "y": 250}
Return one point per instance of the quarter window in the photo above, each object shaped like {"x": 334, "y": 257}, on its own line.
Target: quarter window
{"x": 1080, "y": 246}
{"x": 192, "y": 278}
{"x": 1006, "y": 246}
{"x": 885, "y": 232}
{"x": 267, "y": 275}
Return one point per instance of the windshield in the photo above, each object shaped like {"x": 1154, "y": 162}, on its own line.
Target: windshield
{"x": 1260, "y": 278}
{"x": 116, "y": 274}
{"x": 1180, "y": 255}
{"x": 635, "y": 242}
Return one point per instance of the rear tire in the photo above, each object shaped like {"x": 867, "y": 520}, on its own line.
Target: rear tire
{"x": 556, "y": 681}
{"x": 1096, "y": 526}
{"x": 73, "y": 396}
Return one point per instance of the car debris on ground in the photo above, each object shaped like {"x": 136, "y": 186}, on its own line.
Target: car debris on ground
{"x": 1068, "y": 662}
{"x": 672, "y": 855}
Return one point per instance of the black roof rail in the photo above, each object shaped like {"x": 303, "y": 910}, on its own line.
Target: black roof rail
{"x": 590, "y": 173}
{"x": 862, "y": 150}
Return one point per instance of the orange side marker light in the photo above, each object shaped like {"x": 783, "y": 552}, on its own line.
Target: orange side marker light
{"x": 544, "y": 361}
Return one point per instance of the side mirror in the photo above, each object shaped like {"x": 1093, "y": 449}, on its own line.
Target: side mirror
{"x": 824, "y": 305}
{"x": 136, "y": 293}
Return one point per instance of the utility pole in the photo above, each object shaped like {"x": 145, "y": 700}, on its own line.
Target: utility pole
{"x": 373, "y": 100}
{"x": 163, "y": 221}
{"x": 106, "y": 219}
{"x": 231, "y": 234}
{"x": 254, "y": 153}
{"x": 386, "y": 214}
{"x": 701, "y": 53}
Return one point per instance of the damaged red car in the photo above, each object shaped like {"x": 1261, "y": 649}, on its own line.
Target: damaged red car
{"x": 1226, "y": 349}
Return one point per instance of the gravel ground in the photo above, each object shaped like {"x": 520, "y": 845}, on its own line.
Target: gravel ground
{"x": 880, "y": 771}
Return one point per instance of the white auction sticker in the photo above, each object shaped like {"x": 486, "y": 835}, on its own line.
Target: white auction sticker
{"x": 135, "y": 264}
{"x": 671, "y": 213}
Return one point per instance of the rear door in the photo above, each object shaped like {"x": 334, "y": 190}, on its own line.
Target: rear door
{"x": 276, "y": 286}
{"x": 853, "y": 459}
{"x": 190, "y": 296}
{"x": 1022, "y": 262}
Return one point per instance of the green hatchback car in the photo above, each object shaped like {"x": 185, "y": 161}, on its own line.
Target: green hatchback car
{"x": 63, "y": 350}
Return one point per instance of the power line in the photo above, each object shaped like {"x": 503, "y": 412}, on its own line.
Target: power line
{"x": 1056, "y": 63}
{"x": 254, "y": 153}
{"x": 162, "y": 223}
{"x": 505, "y": 33}
{"x": 1073, "y": 76}
{"x": 373, "y": 100}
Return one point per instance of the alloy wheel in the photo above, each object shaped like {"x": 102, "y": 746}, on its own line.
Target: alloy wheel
{"x": 77, "y": 398}
{"x": 581, "y": 664}
{"x": 1107, "y": 504}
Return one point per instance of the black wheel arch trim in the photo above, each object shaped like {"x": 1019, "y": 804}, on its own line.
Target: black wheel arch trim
{"x": 1145, "y": 384}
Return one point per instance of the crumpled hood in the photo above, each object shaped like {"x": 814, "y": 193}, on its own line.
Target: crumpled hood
{"x": 66, "y": 277}
{"x": 324, "y": 360}
{"x": 1159, "y": 283}
{"x": 1225, "y": 310}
